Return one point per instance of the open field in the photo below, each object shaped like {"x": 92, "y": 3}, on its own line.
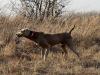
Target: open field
{"x": 24, "y": 58}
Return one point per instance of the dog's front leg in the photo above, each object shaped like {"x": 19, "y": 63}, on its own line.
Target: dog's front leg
{"x": 44, "y": 53}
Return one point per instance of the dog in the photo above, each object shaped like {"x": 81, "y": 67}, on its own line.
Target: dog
{"x": 46, "y": 41}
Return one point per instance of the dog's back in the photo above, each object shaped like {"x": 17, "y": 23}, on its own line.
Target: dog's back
{"x": 53, "y": 39}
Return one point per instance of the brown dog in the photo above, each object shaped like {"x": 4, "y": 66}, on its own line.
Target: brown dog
{"x": 46, "y": 41}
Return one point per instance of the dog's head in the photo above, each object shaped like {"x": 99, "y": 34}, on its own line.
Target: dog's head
{"x": 24, "y": 33}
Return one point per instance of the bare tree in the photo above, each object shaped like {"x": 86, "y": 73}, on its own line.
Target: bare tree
{"x": 40, "y": 9}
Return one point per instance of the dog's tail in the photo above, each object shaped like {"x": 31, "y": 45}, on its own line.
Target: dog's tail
{"x": 71, "y": 30}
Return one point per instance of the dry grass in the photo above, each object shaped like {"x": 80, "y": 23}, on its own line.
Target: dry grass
{"x": 24, "y": 58}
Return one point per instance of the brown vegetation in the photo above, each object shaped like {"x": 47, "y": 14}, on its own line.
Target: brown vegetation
{"x": 23, "y": 58}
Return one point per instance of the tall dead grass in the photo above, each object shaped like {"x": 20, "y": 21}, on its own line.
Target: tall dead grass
{"x": 24, "y": 58}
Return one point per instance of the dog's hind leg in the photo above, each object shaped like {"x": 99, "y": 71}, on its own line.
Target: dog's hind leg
{"x": 72, "y": 48}
{"x": 42, "y": 53}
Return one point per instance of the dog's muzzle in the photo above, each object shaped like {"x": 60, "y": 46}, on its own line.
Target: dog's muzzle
{"x": 19, "y": 34}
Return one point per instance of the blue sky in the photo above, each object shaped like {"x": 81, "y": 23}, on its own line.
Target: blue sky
{"x": 75, "y": 5}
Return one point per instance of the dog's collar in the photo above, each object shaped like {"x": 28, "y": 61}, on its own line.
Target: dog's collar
{"x": 31, "y": 34}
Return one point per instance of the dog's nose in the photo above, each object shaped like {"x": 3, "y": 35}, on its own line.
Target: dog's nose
{"x": 19, "y": 34}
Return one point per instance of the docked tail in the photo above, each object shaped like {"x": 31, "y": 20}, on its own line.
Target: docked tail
{"x": 71, "y": 30}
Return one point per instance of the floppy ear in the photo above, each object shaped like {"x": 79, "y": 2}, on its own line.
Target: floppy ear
{"x": 71, "y": 30}
{"x": 24, "y": 29}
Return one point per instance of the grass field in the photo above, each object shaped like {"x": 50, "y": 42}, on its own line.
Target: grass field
{"x": 24, "y": 58}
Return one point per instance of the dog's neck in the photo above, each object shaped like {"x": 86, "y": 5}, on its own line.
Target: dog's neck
{"x": 32, "y": 36}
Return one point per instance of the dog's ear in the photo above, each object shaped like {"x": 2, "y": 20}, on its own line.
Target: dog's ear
{"x": 25, "y": 29}
{"x": 71, "y": 30}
